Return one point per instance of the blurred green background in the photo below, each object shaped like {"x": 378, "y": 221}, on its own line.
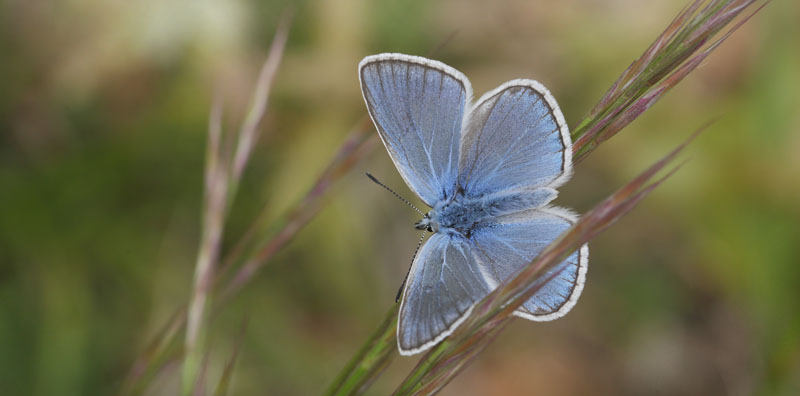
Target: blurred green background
{"x": 103, "y": 113}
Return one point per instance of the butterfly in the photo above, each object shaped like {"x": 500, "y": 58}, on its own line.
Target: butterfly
{"x": 488, "y": 171}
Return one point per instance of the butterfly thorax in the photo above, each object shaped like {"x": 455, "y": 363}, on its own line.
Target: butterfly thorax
{"x": 462, "y": 214}
{"x": 457, "y": 214}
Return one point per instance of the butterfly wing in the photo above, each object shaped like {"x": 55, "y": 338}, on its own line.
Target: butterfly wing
{"x": 512, "y": 241}
{"x": 444, "y": 283}
{"x": 516, "y": 138}
{"x": 418, "y": 106}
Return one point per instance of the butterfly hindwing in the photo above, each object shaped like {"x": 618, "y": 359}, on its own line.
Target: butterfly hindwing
{"x": 513, "y": 241}
{"x": 444, "y": 283}
{"x": 418, "y": 106}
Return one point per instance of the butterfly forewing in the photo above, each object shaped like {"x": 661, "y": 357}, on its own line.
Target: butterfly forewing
{"x": 418, "y": 106}
{"x": 516, "y": 138}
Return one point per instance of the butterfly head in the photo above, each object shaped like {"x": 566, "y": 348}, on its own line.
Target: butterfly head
{"x": 427, "y": 224}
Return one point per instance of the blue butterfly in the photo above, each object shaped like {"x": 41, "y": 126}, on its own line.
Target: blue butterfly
{"x": 488, "y": 171}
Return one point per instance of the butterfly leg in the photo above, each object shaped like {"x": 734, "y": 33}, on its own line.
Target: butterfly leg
{"x": 405, "y": 279}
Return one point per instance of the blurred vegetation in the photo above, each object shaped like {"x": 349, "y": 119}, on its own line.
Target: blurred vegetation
{"x": 103, "y": 113}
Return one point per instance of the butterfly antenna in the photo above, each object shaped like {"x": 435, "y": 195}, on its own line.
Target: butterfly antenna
{"x": 395, "y": 194}
{"x": 403, "y": 285}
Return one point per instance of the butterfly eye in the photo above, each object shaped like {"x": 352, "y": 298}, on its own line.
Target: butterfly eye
{"x": 430, "y": 229}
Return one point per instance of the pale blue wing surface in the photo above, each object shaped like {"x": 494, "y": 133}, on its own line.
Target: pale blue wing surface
{"x": 512, "y": 241}
{"x": 418, "y": 106}
{"x": 516, "y": 138}
{"x": 444, "y": 283}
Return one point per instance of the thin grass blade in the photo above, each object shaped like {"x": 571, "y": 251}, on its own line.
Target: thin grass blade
{"x": 370, "y": 360}
{"x": 222, "y": 178}
{"x": 680, "y": 48}
{"x": 356, "y": 145}
{"x": 216, "y": 192}
{"x": 248, "y": 134}
{"x": 155, "y": 355}
{"x": 227, "y": 373}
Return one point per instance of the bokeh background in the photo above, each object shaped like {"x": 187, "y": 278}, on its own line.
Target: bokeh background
{"x": 103, "y": 114}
